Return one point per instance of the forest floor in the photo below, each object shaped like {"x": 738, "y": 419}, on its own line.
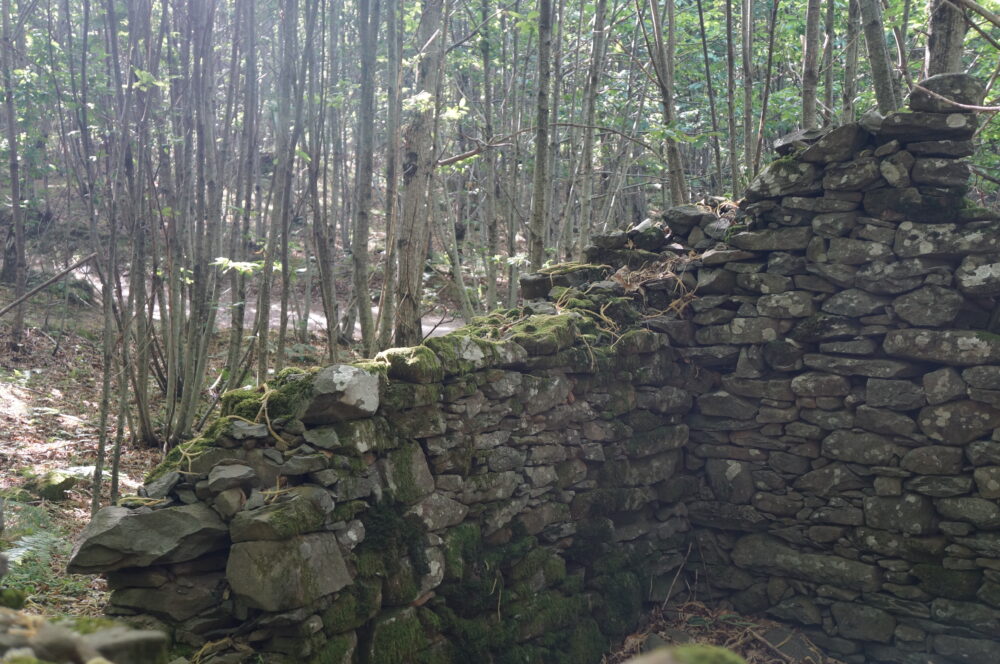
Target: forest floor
{"x": 49, "y": 397}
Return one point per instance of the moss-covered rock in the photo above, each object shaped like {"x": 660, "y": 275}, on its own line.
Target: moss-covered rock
{"x": 461, "y": 353}
{"x": 544, "y": 334}
{"x": 12, "y": 599}
{"x": 181, "y": 457}
{"x": 53, "y": 485}
{"x": 354, "y": 606}
{"x": 338, "y": 649}
{"x": 621, "y": 597}
{"x": 400, "y": 395}
{"x": 366, "y": 435}
{"x": 397, "y": 636}
{"x": 416, "y": 364}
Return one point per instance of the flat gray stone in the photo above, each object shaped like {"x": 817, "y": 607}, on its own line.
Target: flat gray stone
{"x": 933, "y": 460}
{"x": 231, "y": 476}
{"x": 954, "y": 347}
{"x": 288, "y": 574}
{"x": 118, "y": 537}
{"x": 930, "y": 306}
{"x": 854, "y": 303}
{"x": 860, "y": 447}
{"x": 958, "y": 422}
{"x": 782, "y": 239}
{"x": 911, "y": 514}
{"x": 863, "y": 623}
{"x": 763, "y": 553}
{"x": 894, "y": 394}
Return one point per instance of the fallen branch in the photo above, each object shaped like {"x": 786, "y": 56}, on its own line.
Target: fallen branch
{"x": 46, "y": 283}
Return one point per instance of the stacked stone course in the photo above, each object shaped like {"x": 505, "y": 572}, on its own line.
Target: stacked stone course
{"x": 844, "y": 436}
{"x": 809, "y": 405}
{"x": 453, "y": 500}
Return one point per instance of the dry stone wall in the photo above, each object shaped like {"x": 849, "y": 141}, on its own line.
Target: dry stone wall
{"x": 468, "y": 500}
{"x": 844, "y": 430}
{"x": 795, "y": 402}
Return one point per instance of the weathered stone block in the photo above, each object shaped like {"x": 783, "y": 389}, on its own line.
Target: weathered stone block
{"x": 285, "y": 575}
{"x": 910, "y": 514}
{"x": 342, "y": 392}
{"x": 860, "y": 447}
{"x": 958, "y": 422}
{"x": 954, "y": 347}
{"x": 118, "y": 537}
{"x": 863, "y": 623}
{"x": 767, "y": 554}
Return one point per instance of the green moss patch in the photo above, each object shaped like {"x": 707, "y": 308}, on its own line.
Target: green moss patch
{"x": 544, "y": 334}
{"x": 180, "y": 457}
{"x": 417, "y": 364}
{"x": 355, "y": 606}
{"x": 397, "y": 637}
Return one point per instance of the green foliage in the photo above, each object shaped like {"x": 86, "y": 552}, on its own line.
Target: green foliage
{"x": 33, "y": 543}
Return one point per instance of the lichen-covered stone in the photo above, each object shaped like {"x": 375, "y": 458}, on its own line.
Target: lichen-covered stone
{"x": 860, "y": 447}
{"x": 924, "y": 126}
{"x": 894, "y": 394}
{"x": 785, "y": 177}
{"x": 958, "y": 422}
{"x": 954, "y": 347}
{"x": 341, "y": 392}
{"x": 957, "y": 87}
{"x": 988, "y": 481}
{"x": 946, "y": 240}
{"x": 981, "y": 513}
{"x": 940, "y": 172}
{"x": 909, "y": 513}
{"x": 979, "y": 275}
{"x": 933, "y": 460}
{"x": 852, "y": 175}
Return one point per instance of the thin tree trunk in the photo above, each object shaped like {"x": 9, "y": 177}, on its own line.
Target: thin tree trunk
{"x": 418, "y": 160}
{"x": 716, "y": 148}
{"x": 771, "y": 30}
{"x": 539, "y": 210}
{"x": 734, "y": 162}
{"x": 368, "y": 22}
{"x": 828, "y": 62}
{"x": 810, "y": 65}
{"x": 746, "y": 25}
{"x": 14, "y": 170}
{"x": 661, "y": 53}
{"x": 598, "y": 41}
{"x": 851, "y": 60}
{"x": 387, "y": 298}
{"x": 945, "y": 37}
{"x": 878, "y": 55}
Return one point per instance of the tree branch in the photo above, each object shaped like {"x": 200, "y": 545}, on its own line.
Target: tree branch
{"x": 46, "y": 283}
